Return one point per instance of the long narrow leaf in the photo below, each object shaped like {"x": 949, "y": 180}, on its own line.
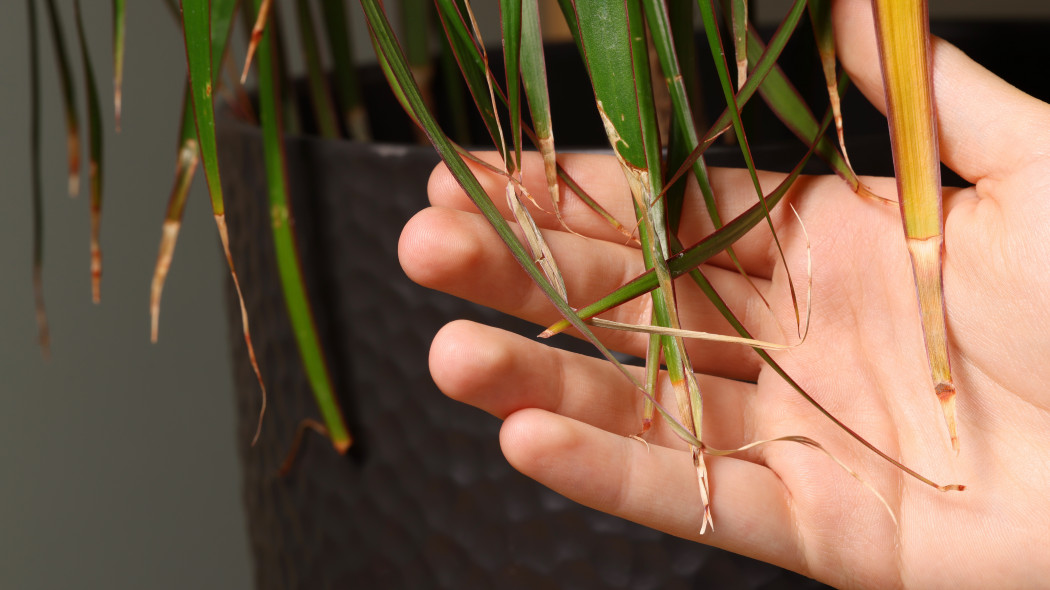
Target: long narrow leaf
{"x": 749, "y": 219}
{"x": 787, "y": 104}
{"x": 714, "y": 40}
{"x": 288, "y": 265}
{"x": 400, "y": 77}
{"x": 455, "y": 98}
{"x": 415, "y": 23}
{"x": 472, "y": 64}
{"x": 614, "y": 46}
{"x": 118, "y": 58}
{"x": 186, "y": 164}
{"x": 196, "y": 23}
{"x": 739, "y": 18}
{"x": 43, "y": 333}
{"x": 904, "y": 37}
{"x": 820, "y": 16}
{"x": 69, "y": 99}
{"x": 94, "y": 155}
{"x": 262, "y": 15}
{"x": 510, "y": 15}
{"x": 534, "y": 78}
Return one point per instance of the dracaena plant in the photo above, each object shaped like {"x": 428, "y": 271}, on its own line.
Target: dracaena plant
{"x": 640, "y": 57}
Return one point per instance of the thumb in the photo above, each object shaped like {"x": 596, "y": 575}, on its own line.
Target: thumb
{"x": 986, "y": 126}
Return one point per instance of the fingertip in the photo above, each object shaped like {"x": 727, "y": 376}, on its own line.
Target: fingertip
{"x": 433, "y": 248}
{"x": 464, "y": 359}
{"x": 533, "y": 439}
{"x": 441, "y": 185}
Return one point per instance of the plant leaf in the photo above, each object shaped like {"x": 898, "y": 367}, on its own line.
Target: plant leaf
{"x": 94, "y": 155}
{"x": 197, "y": 30}
{"x": 288, "y": 265}
{"x": 43, "y": 332}
{"x": 119, "y": 36}
{"x": 472, "y": 64}
{"x": 186, "y": 164}
{"x": 69, "y": 99}
{"x": 400, "y": 77}
{"x": 904, "y": 37}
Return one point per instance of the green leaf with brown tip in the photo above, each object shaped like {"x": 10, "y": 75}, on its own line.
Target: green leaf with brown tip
{"x": 69, "y": 98}
{"x": 94, "y": 155}
{"x": 282, "y": 224}
{"x": 119, "y": 35}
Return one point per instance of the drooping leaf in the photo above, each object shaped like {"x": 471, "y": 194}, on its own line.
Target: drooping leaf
{"x": 613, "y": 39}
{"x": 534, "y": 78}
{"x": 401, "y": 79}
{"x": 186, "y": 163}
{"x": 904, "y": 40}
{"x": 288, "y": 264}
{"x": 94, "y": 155}
{"x": 820, "y": 16}
{"x": 198, "y": 32}
{"x": 119, "y": 36}
{"x": 472, "y": 64}
{"x": 510, "y": 15}
{"x": 69, "y": 99}
{"x": 714, "y": 40}
{"x": 739, "y": 18}
{"x": 43, "y": 332}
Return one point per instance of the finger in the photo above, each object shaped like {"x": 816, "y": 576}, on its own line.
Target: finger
{"x": 502, "y": 373}
{"x": 656, "y": 487}
{"x": 458, "y": 253}
{"x": 602, "y": 178}
{"x": 987, "y": 127}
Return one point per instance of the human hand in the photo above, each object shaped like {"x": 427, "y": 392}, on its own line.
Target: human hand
{"x": 567, "y": 417}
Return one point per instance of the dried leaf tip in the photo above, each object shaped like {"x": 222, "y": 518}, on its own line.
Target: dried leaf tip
{"x": 169, "y": 236}
{"x": 946, "y": 395}
{"x": 96, "y": 258}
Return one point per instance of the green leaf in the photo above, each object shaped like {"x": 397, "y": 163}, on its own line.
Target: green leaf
{"x": 400, "y": 77}
{"x": 534, "y": 78}
{"x": 94, "y": 155}
{"x": 43, "y": 332}
{"x": 288, "y": 265}
{"x": 69, "y": 98}
{"x": 472, "y": 64}
{"x": 197, "y": 17}
{"x": 119, "y": 35}
{"x": 186, "y": 164}
{"x": 787, "y": 104}
{"x": 510, "y": 15}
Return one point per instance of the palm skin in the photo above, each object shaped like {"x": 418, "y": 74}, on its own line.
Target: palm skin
{"x": 567, "y": 417}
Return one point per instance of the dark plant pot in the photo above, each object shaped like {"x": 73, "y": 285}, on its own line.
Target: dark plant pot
{"x": 425, "y": 498}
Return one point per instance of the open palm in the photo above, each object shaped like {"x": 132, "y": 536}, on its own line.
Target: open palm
{"x": 567, "y": 416}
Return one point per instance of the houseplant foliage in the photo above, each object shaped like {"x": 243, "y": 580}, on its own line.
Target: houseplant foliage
{"x": 626, "y": 45}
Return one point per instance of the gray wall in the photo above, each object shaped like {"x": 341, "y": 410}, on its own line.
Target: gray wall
{"x": 117, "y": 465}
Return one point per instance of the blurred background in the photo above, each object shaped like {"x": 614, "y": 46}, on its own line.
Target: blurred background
{"x": 117, "y": 457}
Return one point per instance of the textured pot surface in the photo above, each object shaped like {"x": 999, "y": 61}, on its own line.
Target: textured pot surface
{"x": 425, "y": 498}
